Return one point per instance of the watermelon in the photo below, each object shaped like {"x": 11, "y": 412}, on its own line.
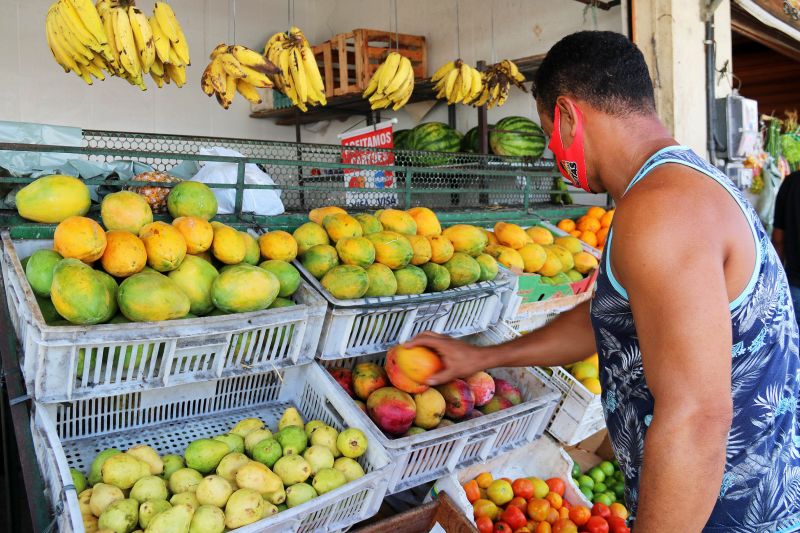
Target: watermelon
{"x": 518, "y": 137}
{"x": 400, "y": 139}
{"x": 434, "y": 137}
{"x": 471, "y": 141}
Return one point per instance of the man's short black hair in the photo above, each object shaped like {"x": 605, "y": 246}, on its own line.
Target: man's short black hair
{"x": 602, "y": 68}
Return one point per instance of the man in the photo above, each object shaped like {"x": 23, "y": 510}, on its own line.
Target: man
{"x": 691, "y": 317}
{"x": 786, "y": 232}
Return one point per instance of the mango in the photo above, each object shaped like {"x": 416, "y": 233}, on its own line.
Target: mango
{"x": 346, "y": 282}
{"x": 426, "y": 220}
{"x": 319, "y": 259}
{"x": 467, "y": 239}
{"x": 192, "y": 199}
{"x": 195, "y": 278}
{"x": 244, "y": 288}
{"x": 308, "y": 235}
{"x": 125, "y": 211}
{"x": 278, "y": 245}
{"x": 79, "y": 238}
{"x": 381, "y": 281}
{"x": 463, "y": 269}
{"x": 391, "y": 249}
{"x": 357, "y": 251}
{"x": 52, "y": 199}
{"x": 79, "y": 294}
{"x": 165, "y": 246}
{"x": 147, "y": 296}
{"x": 197, "y": 233}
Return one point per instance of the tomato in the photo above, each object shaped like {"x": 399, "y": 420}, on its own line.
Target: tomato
{"x": 543, "y": 527}
{"x": 514, "y": 517}
{"x": 484, "y": 524}
{"x": 472, "y": 490}
{"x": 601, "y": 510}
{"x": 564, "y": 526}
{"x": 523, "y": 488}
{"x": 552, "y": 515}
{"x": 522, "y": 530}
{"x": 555, "y": 500}
{"x": 580, "y": 514}
{"x": 484, "y": 480}
{"x": 556, "y": 485}
{"x": 597, "y": 524}
{"x": 502, "y": 527}
{"x": 507, "y": 480}
{"x": 538, "y": 509}
{"x": 519, "y": 502}
{"x": 563, "y": 513}
{"x": 617, "y": 509}
{"x": 485, "y": 508}
{"x": 617, "y": 525}
{"x": 565, "y": 503}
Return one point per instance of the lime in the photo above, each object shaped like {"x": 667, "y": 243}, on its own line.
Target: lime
{"x": 615, "y": 463}
{"x": 586, "y": 481}
{"x": 600, "y": 487}
{"x": 597, "y": 475}
{"x": 619, "y": 490}
{"x": 607, "y": 468}
{"x": 587, "y": 492}
{"x": 576, "y": 470}
{"x": 603, "y": 498}
{"x": 619, "y": 476}
{"x": 611, "y": 495}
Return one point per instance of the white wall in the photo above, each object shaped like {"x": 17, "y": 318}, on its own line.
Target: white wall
{"x": 35, "y": 89}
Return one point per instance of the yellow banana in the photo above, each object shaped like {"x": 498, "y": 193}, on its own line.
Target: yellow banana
{"x": 405, "y": 93}
{"x": 100, "y": 62}
{"x": 177, "y": 73}
{"x": 466, "y": 81}
{"x": 218, "y": 75}
{"x": 157, "y": 68}
{"x": 373, "y": 83}
{"x": 70, "y": 17}
{"x": 66, "y": 62}
{"x": 143, "y": 37}
{"x": 221, "y": 48}
{"x": 484, "y": 97}
{"x": 69, "y": 42}
{"x": 157, "y": 78}
{"x": 231, "y": 65}
{"x": 404, "y": 70}
{"x": 173, "y": 56}
{"x": 123, "y": 33}
{"x": 205, "y": 81}
{"x": 388, "y": 71}
{"x": 255, "y": 78}
{"x": 450, "y": 84}
{"x": 84, "y": 74}
{"x": 275, "y": 39}
{"x": 230, "y": 90}
{"x": 283, "y": 63}
{"x": 166, "y": 20}
{"x": 160, "y": 40}
{"x": 107, "y": 16}
{"x": 181, "y": 45}
{"x": 165, "y": 78}
{"x": 247, "y": 57}
{"x": 248, "y": 91}
{"x": 94, "y": 71}
{"x": 313, "y": 75}
{"x": 91, "y": 19}
{"x": 298, "y": 75}
{"x": 443, "y": 71}
{"x": 476, "y": 86}
{"x": 381, "y": 103}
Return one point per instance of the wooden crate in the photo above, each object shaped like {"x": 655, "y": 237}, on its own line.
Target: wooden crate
{"x": 441, "y": 511}
{"x": 348, "y": 60}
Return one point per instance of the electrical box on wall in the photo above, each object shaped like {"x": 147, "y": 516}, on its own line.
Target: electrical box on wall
{"x": 736, "y": 131}
{"x": 741, "y": 177}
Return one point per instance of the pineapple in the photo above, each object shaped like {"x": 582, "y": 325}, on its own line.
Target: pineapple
{"x": 155, "y": 196}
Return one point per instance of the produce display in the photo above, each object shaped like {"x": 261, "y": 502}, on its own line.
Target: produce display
{"x": 235, "y": 69}
{"x": 457, "y": 82}
{"x": 396, "y": 398}
{"x": 534, "y": 505}
{"x": 392, "y": 84}
{"x": 116, "y": 37}
{"x": 497, "y": 81}
{"x": 299, "y": 76}
{"x": 592, "y": 228}
{"x": 222, "y": 482}
{"x": 131, "y": 268}
{"x": 603, "y": 484}
{"x": 390, "y": 252}
{"x": 517, "y": 137}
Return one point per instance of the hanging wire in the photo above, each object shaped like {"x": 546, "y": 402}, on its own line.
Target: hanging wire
{"x": 458, "y": 32}
{"x": 232, "y": 19}
{"x": 396, "y": 28}
{"x": 491, "y": 12}
{"x": 290, "y": 12}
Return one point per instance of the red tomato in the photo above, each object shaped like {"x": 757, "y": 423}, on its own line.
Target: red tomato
{"x": 502, "y": 527}
{"x": 597, "y": 524}
{"x": 543, "y": 527}
{"x": 566, "y": 504}
{"x": 617, "y": 509}
{"x": 601, "y": 510}
{"x": 485, "y": 524}
{"x": 523, "y": 488}
{"x": 519, "y": 502}
{"x": 556, "y": 485}
{"x": 556, "y": 501}
{"x": 514, "y": 517}
{"x": 565, "y": 526}
{"x": 472, "y": 490}
{"x": 580, "y": 514}
{"x": 537, "y": 510}
{"x": 617, "y": 525}
{"x": 522, "y": 530}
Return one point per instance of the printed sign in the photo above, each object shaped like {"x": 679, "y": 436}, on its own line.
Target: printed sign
{"x": 370, "y": 182}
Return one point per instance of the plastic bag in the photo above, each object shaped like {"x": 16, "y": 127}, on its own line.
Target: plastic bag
{"x": 766, "y": 200}
{"x": 265, "y": 202}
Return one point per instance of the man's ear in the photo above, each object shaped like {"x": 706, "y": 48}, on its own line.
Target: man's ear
{"x": 568, "y": 124}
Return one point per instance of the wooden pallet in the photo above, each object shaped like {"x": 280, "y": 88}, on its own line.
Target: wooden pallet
{"x": 442, "y": 511}
{"x": 348, "y": 60}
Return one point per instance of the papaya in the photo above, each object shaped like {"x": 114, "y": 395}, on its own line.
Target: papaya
{"x": 346, "y": 282}
{"x": 426, "y": 220}
{"x": 125, "y": 211}
{"x": 438, "y": 277}
{"x": 308, "y": 235}
{"x": 391, "y": 249}
{"x": 165, "y": 246}
{"x": 564, "y": 255}
{"x": 151, "y": 296}
{"x": 422, "y": 249}
{"x": 287, "y": 274}
{"x": 357, "y": 251}
{"x": 125, "y": 254}
{"x": 195, "y": 277}
{"x": 278, "y": 245}
{"x": 369, "y": 223}
{"x": 467, "y": 239}
{"x": 319, "y": 214}
{"x": 281, "y": 302}
{"x": 511, "y": 235}
{"x": 396, "y": 220}
{"x": 506, "y": 256}
{"x": 39, "y": 270}
{"x": 197, "y": 233}
{"x": 252, "y": 254}
{"x": 584, "y": 262}
{"x": 381, "y": 281}
{"x": 488, "y": 267}
{"x": 441, "y": 249}
{"x": 78, "y": 293}
{"x": 48, "y": 310}
{"x": 192, "y": 199}
{"x": 319, "y": 259}
{"x": 79, "y": 238}
{"x": 552, "y": 264}
{"x": 540, "y": 235}
{"x": 341, "y": 225}
{"x": 533, "y": 257}
{"x": 112, "y": 288}
{"x": 463, "y": 268}
{"x": 410, "y": 280}
{"x": 228, "y": 246}
{"x": 573, "y": 244}
{"x": 491, "y": 236}
{"x": 244, "y": 288}
{"x": 52, "y": 199}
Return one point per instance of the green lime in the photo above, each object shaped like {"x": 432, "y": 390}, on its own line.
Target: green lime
{"x": 586, "y": 481}
{"x": 576, "y": 470}
{"x": 607, "y": 468}
{"x": 587, "y": 492}
{"x": 615, "y": 463}
{"x": 619, "y": 476}
{"x": 597, "y": 475}
{"x": 619, "y": 490}
{"x": 600, "y": 487}
{"x": 603, "y": 498}
{"x": 611, "y": 495}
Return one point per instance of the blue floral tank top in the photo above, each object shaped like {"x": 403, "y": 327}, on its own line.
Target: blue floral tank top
{"x": 760, "y": 489}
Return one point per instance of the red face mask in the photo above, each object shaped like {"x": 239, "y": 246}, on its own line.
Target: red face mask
{"x": 571, "y": 161}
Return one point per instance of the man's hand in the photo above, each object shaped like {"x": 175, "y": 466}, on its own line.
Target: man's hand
{"x": 460, "y": 359}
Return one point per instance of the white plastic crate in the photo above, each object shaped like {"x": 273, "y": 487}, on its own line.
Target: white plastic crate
{"x": 579, "y": 413}
{"x": 162, "y": 353}
{"x": 543, "y": 458}
{"x": 371, "y": 325}
{"x": 424, "y": 457}
{"x": 532, "y": 316}
{"x": 70, "y": 434}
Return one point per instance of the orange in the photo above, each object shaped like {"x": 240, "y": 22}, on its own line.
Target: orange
{"x": 555, "y": 500}
{"x": 556, "y": 485}
{"x": 484, "y": 479}
{"x": 589, "y": 237}
{"x": 595, "y": 212}
{"x": 566, "y": 225}
{"x": 605, "y": 220}
{"x": 587, "y": 223}
{"x": 575, "y": 233}
{"x": 472, "y": 491}
{"x": 602, "y": 235}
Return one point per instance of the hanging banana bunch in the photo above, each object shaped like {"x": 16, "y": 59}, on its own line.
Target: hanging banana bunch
{"x": 457, "y": 82}
{"x": 235, "y": 69}
{"x": 299, "y": 76}
{"x": 392, "y": 83}
{"x": 116, "y": 37}
{"x": 497, "y": 81}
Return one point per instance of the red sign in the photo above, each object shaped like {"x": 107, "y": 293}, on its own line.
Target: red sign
{"x": 379, "y": 136}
